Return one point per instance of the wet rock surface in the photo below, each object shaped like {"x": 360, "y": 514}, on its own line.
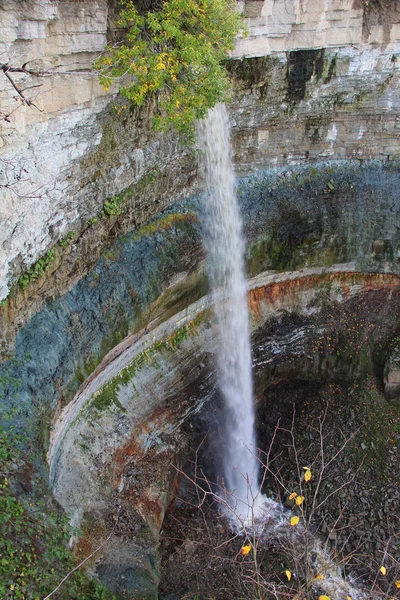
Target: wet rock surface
{"x": 127, "y": 442}
{"x": 392, "y": 372}
{"x": 322, "y": 322}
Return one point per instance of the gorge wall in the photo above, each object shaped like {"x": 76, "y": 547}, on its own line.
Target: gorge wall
{"x": 100, "y": 246}
{"x": 64, "y": 160}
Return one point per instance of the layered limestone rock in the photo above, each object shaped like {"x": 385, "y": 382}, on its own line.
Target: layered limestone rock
{"x": 294, "y": 218}
{"x": 122, "y": 440}
{"x": 40, "y": 143}
{"x": 62, "y": 161}
{"x": 344, "y": 105}
{"x": 117, "y": 438}
{"x": 293, "y": 24}
{"x": 298, "y": 107}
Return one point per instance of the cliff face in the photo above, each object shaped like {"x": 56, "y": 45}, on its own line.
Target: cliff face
{"x": 40, "y": 143}
{"x": 328, "y": 312}
{"x": 292, "y": 25}
{"x": 81, "y": 147}
{"x": 100, "y": 243}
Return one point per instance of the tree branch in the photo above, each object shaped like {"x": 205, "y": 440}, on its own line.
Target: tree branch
{"x": 84, "y": 560}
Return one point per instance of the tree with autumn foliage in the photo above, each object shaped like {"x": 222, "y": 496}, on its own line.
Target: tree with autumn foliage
{"x": 176, "y": 53}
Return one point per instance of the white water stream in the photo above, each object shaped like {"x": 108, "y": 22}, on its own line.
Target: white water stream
{"x": 245, "y": 506}
{"x": 224, "y": 243}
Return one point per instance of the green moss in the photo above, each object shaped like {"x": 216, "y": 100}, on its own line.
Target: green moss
{"x": 115, "y": 337}
{"x": 33, "y": 535}
{"x": 38, "y": 269}
{"x": 257, "y": 258}
{"x": 111, "y": 254}
{"x": 108, "y": 394}
{"x": 331, "y": 72}
{"x": 378, "y": 431}
{"x": 288, "y": 253}
{"x": 253, "y": 71}
{"x": 107, "y": 398}
{"x": 173, "y": 300}
{"x": 114, "y": 206}
{"x": 365, "y": 360}
{"x": 67, "y": 240}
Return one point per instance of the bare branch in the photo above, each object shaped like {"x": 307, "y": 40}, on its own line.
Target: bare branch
{"x": 84, "y": 561}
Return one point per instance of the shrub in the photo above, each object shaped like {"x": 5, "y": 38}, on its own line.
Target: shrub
{"x": 37, "y": 270}
{"x": 34, "y": 554}
{"x": 175, "y": 52}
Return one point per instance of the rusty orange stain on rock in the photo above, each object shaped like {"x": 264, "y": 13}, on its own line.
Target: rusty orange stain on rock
{"x": 82, "y": 549}
{"x": 281, "y": 292}
{"x": 131, "y": 448}
{"x": 150, "y": 508}
{"x": 134, "y": 448}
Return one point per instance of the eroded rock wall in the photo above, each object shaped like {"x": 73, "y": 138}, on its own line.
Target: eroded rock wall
{"x": 293, "y": 220}
{"x": 122, "y": 441}
{"x": 298, "y": 107}
{"x": 76, "y": 151}
{"x": 295, "y": 24}
{"x": 325, "y": 87}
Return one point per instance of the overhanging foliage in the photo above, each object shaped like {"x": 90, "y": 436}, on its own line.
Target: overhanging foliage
{"x": 176, "y": 53}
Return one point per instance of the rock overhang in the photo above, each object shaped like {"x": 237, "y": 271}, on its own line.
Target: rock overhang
{"x": 129, "y": 445}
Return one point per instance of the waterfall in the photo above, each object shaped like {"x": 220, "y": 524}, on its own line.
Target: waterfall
{"x": 224, "y": 243}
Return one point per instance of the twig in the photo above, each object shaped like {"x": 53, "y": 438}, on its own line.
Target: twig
{"x": 83, "y": 561}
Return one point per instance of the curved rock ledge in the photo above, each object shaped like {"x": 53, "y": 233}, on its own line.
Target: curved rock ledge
{"x": 120, "y": 440}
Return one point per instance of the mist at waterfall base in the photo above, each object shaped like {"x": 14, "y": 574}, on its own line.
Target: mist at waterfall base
{"x": 223, "y": 240}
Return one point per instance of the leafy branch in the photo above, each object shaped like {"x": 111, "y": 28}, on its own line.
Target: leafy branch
{"x": 175, "y": 53}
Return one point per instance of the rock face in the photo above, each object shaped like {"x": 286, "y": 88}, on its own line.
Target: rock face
{"x": 100, "y": 226}
{"x": 293, "y": 25}
{"x": 292, "y": 220}
{"x": 303, "y": 106}
{"x": 392, "y": 373}
{"x": 40, "y": 143}
{"x": 128, "y": 429}
{"x": 80, "y": 151}
{"x": 309, "y": 218}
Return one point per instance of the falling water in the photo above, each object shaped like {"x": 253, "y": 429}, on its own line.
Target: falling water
{"x": 225, "y": 256}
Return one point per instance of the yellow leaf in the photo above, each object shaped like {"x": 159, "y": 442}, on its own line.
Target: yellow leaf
{"x": 292, "y": 496}
{"x": 299, "y": 500}
{"x": 307, "y": 468}
{"x": 294, "y": 521}
{"x": 383, "y": 570}
{"x": 324, "y": 598}
{"x": 288, "y": 575}
{"x": 397, "y": 583}
{"x": 320, "y": 576}
{"x": 307, "y": 475}
{"x": 245, "y": 550}
{"x": 348, "y": 598}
